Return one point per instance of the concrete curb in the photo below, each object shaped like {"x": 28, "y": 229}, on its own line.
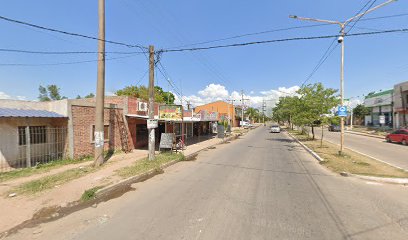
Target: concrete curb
{"x": 147, "y": 175}
{"x": 402, "y": 181}
{"x": 379, "y": 160}
{"x": 315, "y": 155}
{"x": 365, "y": 134}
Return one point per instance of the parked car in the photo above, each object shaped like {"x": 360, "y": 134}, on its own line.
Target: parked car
{"x": 334, "y": 128}
{"x": 275, "y": 129}
{"x": 399, "y": 136}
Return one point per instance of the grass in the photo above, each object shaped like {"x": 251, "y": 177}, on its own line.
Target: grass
{"x": 40, "y": 168}
{"x": 349, "y": 161}
{"x": 48, "y": 182}
{"x": 145, "y": 165}
{"x": 90, "y": 194}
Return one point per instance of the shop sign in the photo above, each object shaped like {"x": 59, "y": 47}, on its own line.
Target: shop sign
{"x": 209, "y": 116}
{"x": 152, "y": 123}
{"x": 171, "y": 112}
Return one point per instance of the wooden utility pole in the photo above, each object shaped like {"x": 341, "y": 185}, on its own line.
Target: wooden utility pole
{"x": 100, "y": 88}
{"x": 152, "y": 138}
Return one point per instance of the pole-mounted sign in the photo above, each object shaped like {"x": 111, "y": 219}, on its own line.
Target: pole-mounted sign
{"x": 342, "y": 111}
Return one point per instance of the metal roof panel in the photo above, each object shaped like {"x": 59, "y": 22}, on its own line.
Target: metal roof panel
{"x": 13, "y": 112}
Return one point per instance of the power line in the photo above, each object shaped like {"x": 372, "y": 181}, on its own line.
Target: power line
{"x": 321, "y": 61}
{"x": 251, "y": 34}
{"x": 282, "y": 40}
{"x": 62, "y": 52}
{"x": 285, "y": 29}
{"x": 358, "y": 19}
{"x": 69, "y": 33}
{"x": 57, "y": 64}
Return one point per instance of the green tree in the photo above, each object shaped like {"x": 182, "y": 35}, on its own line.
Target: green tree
{"x": 49, "y": 93}
{"x": 91, "y": 95}
{"x": 315, "y": 102}
{"x": 253, "y": 113}
{"x": 360, "y": 111}
{"x": 142, "y": 92}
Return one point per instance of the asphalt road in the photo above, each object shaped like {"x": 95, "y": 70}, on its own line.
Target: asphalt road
{"x": 392, "y": 153}
{"x": 263, "y": 186}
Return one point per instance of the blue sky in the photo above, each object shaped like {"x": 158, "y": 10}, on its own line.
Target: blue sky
{"x": 372, "y": 62}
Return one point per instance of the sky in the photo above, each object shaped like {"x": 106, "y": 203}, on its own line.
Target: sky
{"x": 266, "y": 71}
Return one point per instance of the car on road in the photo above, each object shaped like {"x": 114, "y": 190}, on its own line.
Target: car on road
{"x": 398, "y": 136}
{"x": 334, "y": 128}
{"x": 275, "y": 129}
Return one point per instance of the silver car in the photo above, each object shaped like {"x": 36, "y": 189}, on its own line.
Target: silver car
{"x": 275, "y": 129}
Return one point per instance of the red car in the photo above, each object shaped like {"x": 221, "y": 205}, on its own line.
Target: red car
{"x": 399, "y": 136}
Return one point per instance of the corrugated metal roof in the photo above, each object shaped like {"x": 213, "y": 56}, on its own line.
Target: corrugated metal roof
{"x": 13, "y": 112}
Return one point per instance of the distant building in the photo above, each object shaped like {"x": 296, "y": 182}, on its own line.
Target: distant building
{"x": 226, "y": 111}
{"x": 380, "y": 104}
{"x": 401, "y": 105}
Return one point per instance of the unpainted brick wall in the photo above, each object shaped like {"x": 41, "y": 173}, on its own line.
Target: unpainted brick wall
{"x": 83, "y": 118}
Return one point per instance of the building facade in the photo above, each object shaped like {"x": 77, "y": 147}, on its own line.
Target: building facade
{"x": 381, "y": 108}
{"x": 401, "y": 105}
{"x": 226, "y": 111}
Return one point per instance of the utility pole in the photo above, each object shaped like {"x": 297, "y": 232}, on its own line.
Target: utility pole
{"x": 342, "y": 25}
{"x": 263, "y": 111}
{"x": 188, "y": 105}
{"x": 229, "y": 111}
{"x": 100, "y": 89}
{"x": 152, "y": 138}
{"x": 242, "y": 107}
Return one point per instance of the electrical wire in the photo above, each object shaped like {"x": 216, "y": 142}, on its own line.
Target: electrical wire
{"x": 282, "y": 40}
{"x": 285, "y": 29}
{"x": 57, "y": 64}
{"x": 358, "y": 19}
{"x": 69, "y": 33}
{"x": 63, "y": 52}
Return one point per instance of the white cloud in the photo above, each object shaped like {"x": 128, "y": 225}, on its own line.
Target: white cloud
{"x": 352, "y": 103}
{"x": 4, "y": 95}
{"x": 215, "y": 92}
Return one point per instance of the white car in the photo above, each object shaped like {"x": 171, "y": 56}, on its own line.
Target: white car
{"x": 275, "y": 129}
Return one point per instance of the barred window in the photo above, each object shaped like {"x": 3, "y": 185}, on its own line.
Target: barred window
{"x": 105, "y": 132}
{"x": 38, "y": 135}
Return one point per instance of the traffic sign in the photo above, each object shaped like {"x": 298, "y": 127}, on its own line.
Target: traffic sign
{"x": 342, "y": 111}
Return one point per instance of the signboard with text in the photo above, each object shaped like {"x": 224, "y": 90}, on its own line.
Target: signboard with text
{"x": 342, "y": 111}
{"x": 209, "y": 116}
{"x": 171, "y": 112}
{"x": 152, "y": 123}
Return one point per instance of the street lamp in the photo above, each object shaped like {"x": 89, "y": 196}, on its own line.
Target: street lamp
{"x": 341, "y": 40}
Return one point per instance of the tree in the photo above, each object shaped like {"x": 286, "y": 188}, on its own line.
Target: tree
{"x": 316, "y": 102}
{"x": 50, "y": 93}
{"x": 360, "y": 111}
{"x": 253, "y": 113}
{"x": 142, "y": 92}
{"x": 91, "y": 95}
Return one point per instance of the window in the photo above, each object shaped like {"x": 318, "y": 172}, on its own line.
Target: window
{"x": 38, "y": 135}
{"x": 105, "y": 133}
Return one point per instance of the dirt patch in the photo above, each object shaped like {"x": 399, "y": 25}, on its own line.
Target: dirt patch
{"x": 52, "y": 213}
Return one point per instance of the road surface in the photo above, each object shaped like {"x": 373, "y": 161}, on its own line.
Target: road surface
{"x": 263, "y": 186}
{"x": 392, "y": 153}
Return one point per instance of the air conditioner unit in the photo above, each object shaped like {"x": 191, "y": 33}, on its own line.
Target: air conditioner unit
{"x": 142, "y": 106}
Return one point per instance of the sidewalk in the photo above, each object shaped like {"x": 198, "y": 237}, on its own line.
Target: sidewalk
{"x": 364, "y": 134}
{"x": 23, "y": 207}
